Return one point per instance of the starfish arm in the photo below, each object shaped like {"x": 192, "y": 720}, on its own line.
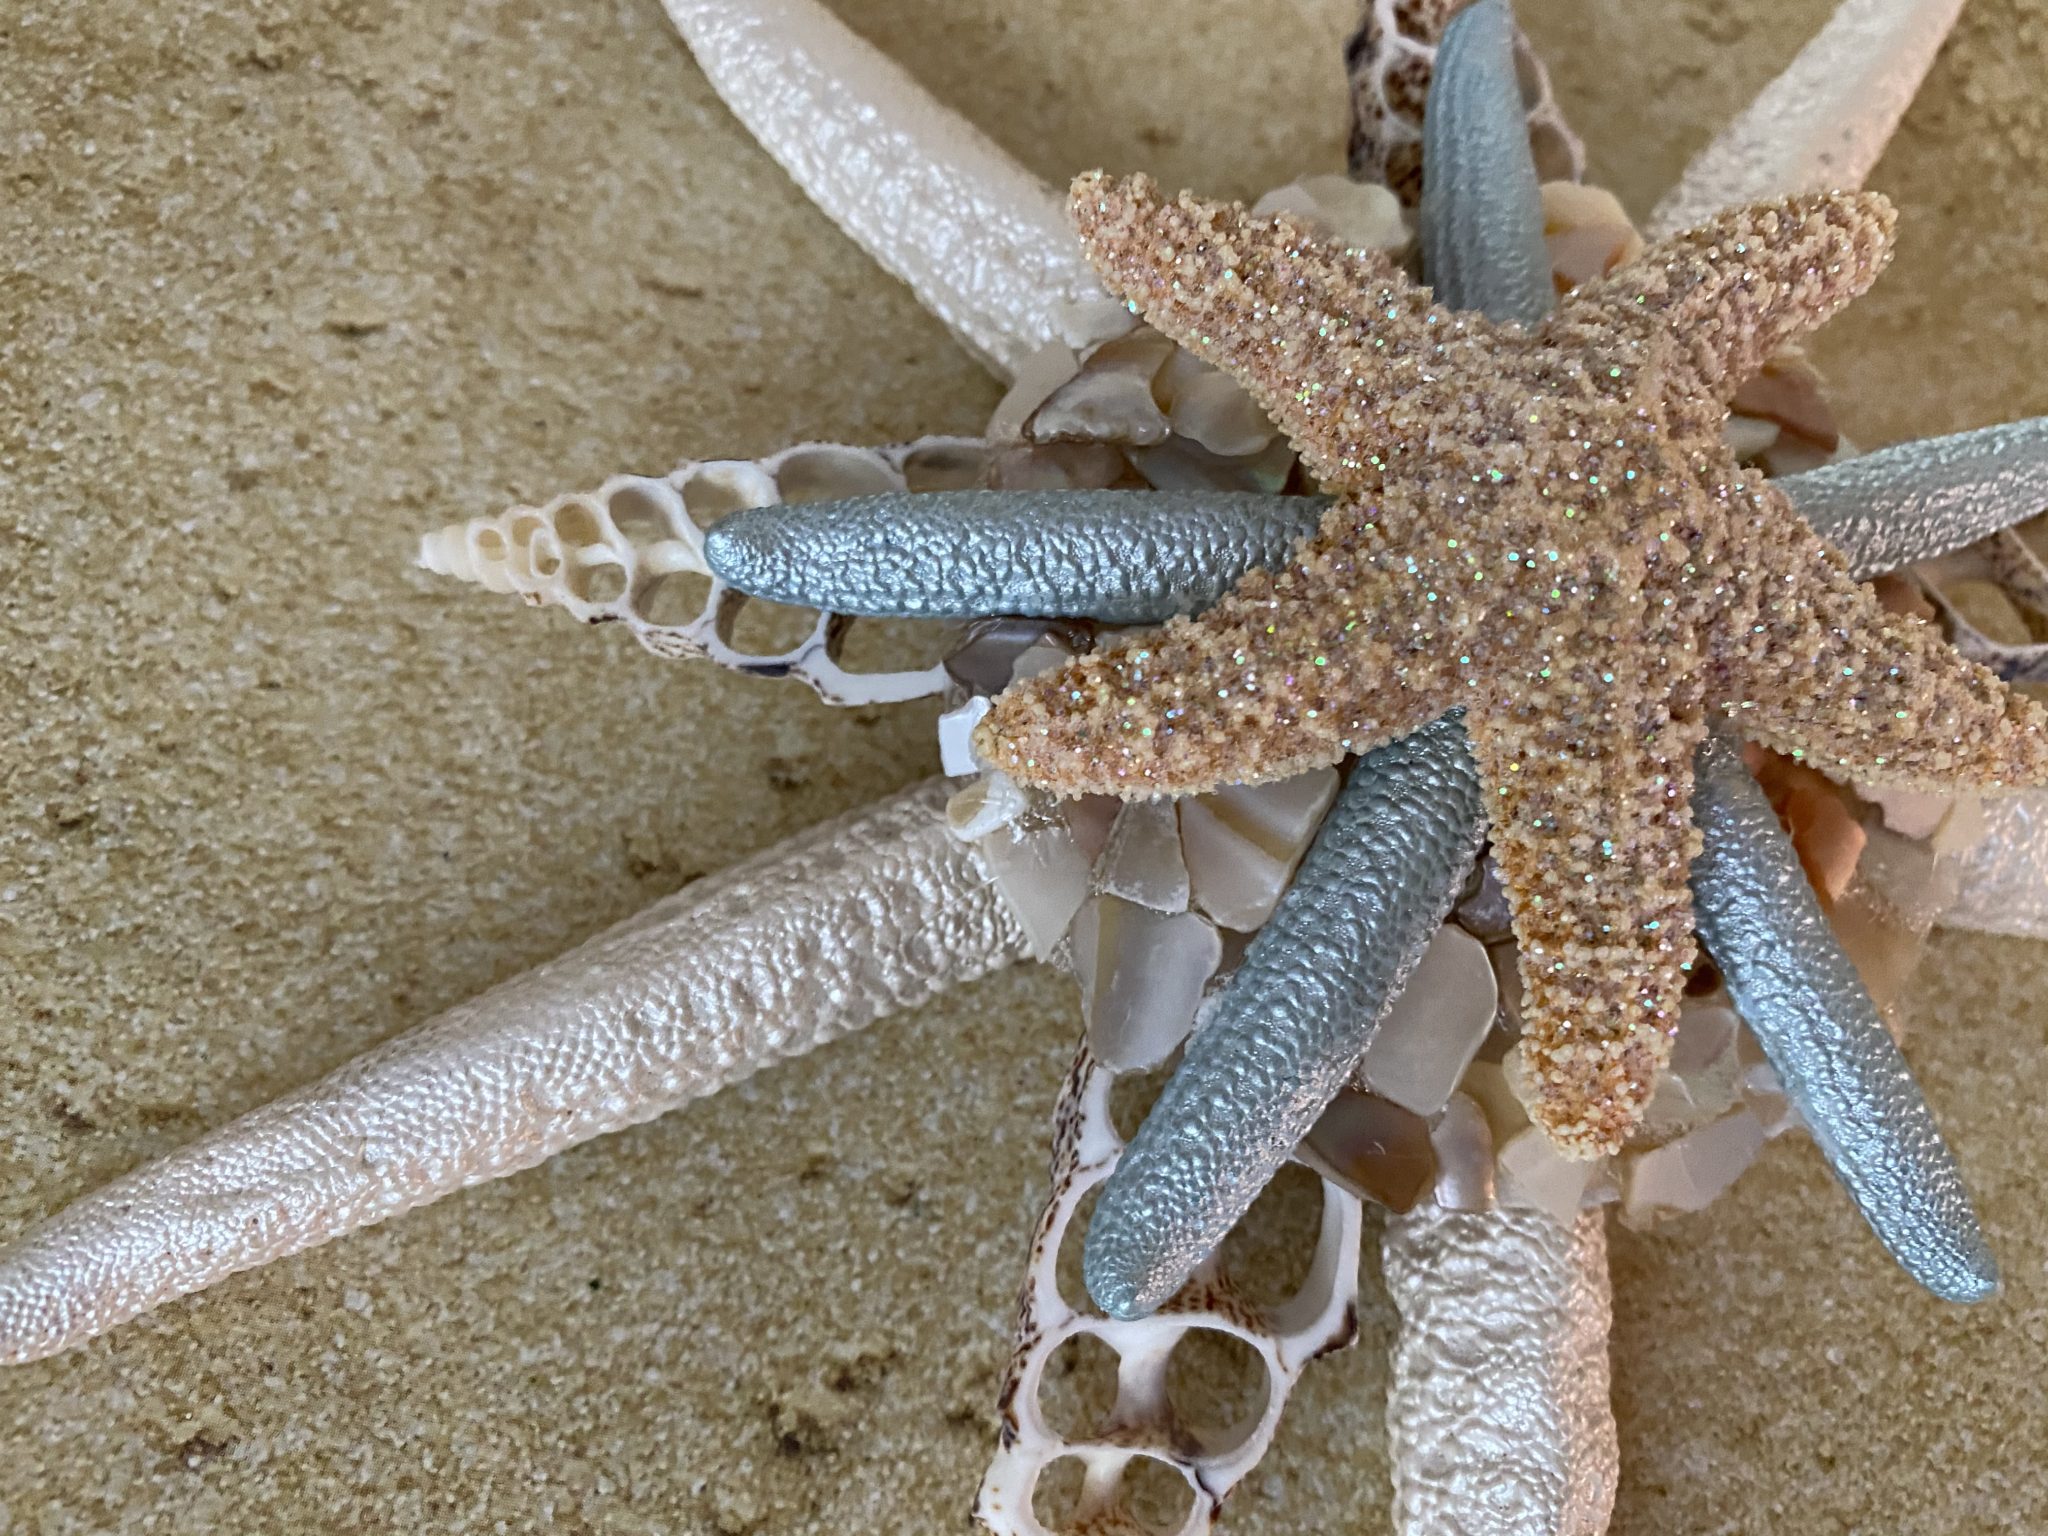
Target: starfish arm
{"x": 1499, "y": 1416}
{"x": 1122, "y": 557}
{"x": 1820, "y": 671}
{"x": 1288, "y": 1029}
{"x": 1348, "y": 647}
{"x": 1825, "y": 120}
{"x": 1317, "y": 333}
{"x": 1733, "y": 290}
{"x": 808, "y": 941}
{"x": 1841, "y": 1069}
{"x": 1589, "y": 776}
{"x": 978, "y": 238}
{"x": 1914, "y": 501}
{"x": 1482, "y": 209}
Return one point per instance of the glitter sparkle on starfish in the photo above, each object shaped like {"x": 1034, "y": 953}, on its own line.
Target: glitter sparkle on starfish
{"x": 1543, "y": 526}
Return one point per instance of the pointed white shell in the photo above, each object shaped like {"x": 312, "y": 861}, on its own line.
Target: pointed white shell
{"x": 629, "y": 552}
{"x": 984, "y": 244}
{"x": 837, "y": 927}
{"x": 1320, "y": 1316}
{"x": 1823, "y": 123}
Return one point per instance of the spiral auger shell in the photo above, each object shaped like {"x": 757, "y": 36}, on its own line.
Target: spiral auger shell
{"x": 632, "y": 553}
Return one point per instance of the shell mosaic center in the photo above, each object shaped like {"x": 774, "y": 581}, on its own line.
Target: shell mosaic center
{"x": 1421, "y": 655}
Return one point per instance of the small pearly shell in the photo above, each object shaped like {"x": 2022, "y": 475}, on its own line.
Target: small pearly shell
{"x": 1141, "y": 974}
{"x": 1358, "y": 214}
{"x": 1242, "y": 843}
{"x": 1483, "y": 910}
{"x": 1433, "y": 1028}
{"x": 1090, "y": 819}
{"x": 1043, "y": 874}
{"x": 1534, "y": 1173}
{"x": 956, "y": 735}
{"x": 1110, "y": 398}
{"x": 1213, "y": 409}
{"x": 991, "y": 801}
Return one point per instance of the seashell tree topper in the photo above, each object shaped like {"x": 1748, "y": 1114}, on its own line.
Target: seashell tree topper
{"x": 1125, "y": 480}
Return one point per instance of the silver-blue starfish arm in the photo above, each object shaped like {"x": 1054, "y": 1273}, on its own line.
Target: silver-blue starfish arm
{"x": 1124, "y": 557}
{"x": 1480, "y": 196}
{"x": 1916, "y": 500}
{"x": 1139, "y": 557}
{"x": 1289, "y": 1027}
{"x": 1284, "y": 1035}
{"x": 1802, "y": 998}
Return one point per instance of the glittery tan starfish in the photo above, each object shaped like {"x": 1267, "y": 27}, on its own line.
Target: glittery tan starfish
{"x": 1544, "y": 527}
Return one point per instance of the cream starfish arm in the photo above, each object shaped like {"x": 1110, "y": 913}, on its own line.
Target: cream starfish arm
{"x": 1899, "y": 706}
{"x": 1824, "y": 121}
{"x": 843, "y": 924}
{"x": 1589, "y": 788}
{"x": 1288, "y": 672}
{"x": 1735, "y": 289}
{"x": 977, "y": 237}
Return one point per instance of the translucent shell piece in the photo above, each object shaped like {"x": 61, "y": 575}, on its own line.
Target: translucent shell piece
{"x": 982, "y": 242}
{"x": 1390, "y": 59}
{"x": 1142, "y": 1425}
{"x": 632, "y": 553}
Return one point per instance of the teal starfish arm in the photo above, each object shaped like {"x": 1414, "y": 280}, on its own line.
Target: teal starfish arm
{"x": 1123, "y": 557}
{"x": 1916, "y": 500}
{"x": 1482, "y": 206}
{"x": 1802, "y": 999}
{"x": 1285, "y": 1033}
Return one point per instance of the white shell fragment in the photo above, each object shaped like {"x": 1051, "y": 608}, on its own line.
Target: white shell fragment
{"x": 991, "y": 801}
{"x": 1499, "y": 1421}
{"x": 1434, "y": 1026}
{"x": 1463, "y": 1143}
{"x": 1374, "y": 1148}
{"x": 1143, "y": 861}
{"x": 2005, "y": 875}
{"x": 1243, "y": 842}
{"x": 984, "y": 244}
{"x": 632, "y": 553}
{"x": 1142, "y": 973}
{"x": 956, "y": 735}
{"x": 1143, "y": 1425}
{"x": 1822, "y": 124}
{"x": 1537, "y": 1175}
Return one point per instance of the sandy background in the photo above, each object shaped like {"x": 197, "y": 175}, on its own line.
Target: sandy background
{"x": 282, "y": 286}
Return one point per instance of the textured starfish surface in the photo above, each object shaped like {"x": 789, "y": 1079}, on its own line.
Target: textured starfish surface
{"x": 1543, "y": 526}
